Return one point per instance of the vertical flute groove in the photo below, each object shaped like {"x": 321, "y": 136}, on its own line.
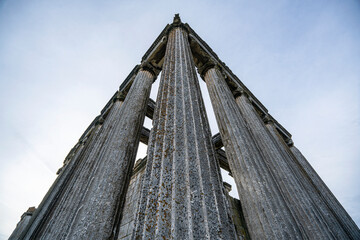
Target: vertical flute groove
{"x": 301, "y": 202}
{"x": 265, "y": 210}
{"x": 343, "y": 217}
{"x": 338, "y": 223}
{"x": 91, "y": 203}
{"x": 178, "y": 199}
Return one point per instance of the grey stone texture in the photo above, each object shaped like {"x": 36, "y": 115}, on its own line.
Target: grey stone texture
{"x": 237, "y": 214}
{"x": 131, "y": 204}
{"x": 176, "y": 192}
{"x": 265, "y": 210}
{"x": 90, "y": 206}
{"x": 182, "y": 195}
{"x": 23, "y": 223}
{"x": 298, "y": 208}
{"x": 313, "y": 217}
{"x": 328, "y": 197}
{"x": 51, "y": 201}
{"x": 339, "y": 222}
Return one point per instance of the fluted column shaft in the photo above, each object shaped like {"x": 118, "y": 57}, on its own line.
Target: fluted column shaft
{"x": 91, "y": 206}
{"x": 265, "y": 210}
{"x": 339, "y": 212}
{"x": 21, "y": 226}
{"x": 304, "y": 203}
{"x": 71, "y": 201}
{"x": 182, "y": 195}
{"x": 46, "y": 207}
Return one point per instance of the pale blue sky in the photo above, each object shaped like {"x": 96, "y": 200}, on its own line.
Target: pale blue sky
{"x": 60, "y": 62}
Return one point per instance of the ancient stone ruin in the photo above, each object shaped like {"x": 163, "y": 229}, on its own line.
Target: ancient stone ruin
{"x": 176, "y": 191}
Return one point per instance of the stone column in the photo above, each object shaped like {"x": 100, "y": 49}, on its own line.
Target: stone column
{"x": 182, "y": 195}
{"x": 44, "y": 211}
{"x": 92, "y": 204}
{"x": 22, "y": 224}
{"x": 305, "y": 204}
{"x": 337, "y": 209}
{"x": 265, "y": 210}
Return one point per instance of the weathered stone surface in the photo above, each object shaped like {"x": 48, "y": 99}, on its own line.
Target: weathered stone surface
{"x": 266, "y": 213}
{"x": 131, "y": 203}
{"x": 223, "y": 163}
{"x": 313, "y": 217}
{"x": 45, "y": 210}
{"x": 22, "y": 224}
{"x": 182, "y": 195}
{"x": 237, "y": 214}
{"x": 91, "y": 204}
{"x": 337, "y": 223}
{"x": 337, "y": 209}
{"x": 217, "y": 141}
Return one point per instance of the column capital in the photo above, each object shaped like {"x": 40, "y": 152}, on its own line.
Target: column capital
{"x": 147, "y": 66}
{"x": 267, "y": 119}
{"x": 289, "y": 142}
{"x": 207, "y": 66}
{"x": 100, "y": 121}
{"x": 120, "y": 96}
{"x": 240, "y": 92}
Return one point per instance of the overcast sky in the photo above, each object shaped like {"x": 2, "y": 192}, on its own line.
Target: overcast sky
{"x": 61, "y": 61}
